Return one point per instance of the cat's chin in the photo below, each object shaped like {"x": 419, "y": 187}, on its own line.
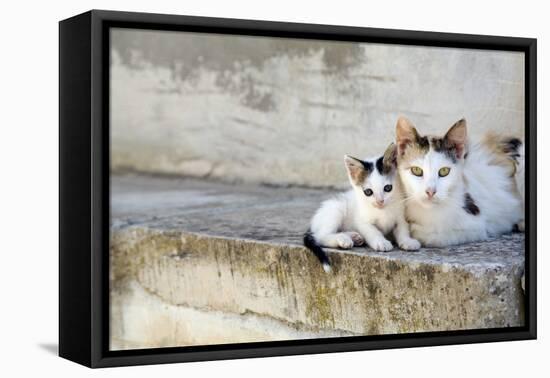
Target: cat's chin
{"x": 428, "y": 203}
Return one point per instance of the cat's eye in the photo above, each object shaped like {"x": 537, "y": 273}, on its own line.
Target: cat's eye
{"x": 417, "y": 171}
{"x": 368, "y": 192}
{"x": 444, "y": 171}
{"x": 388, "y": 188}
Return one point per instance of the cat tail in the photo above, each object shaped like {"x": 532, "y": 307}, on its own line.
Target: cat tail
{"x": 506, "y": 151}
{"x": 514, "y": 149}
{"x": 509, "y": 152}
{"x": 519, "y": 177}
{"x": 311, "y": 244}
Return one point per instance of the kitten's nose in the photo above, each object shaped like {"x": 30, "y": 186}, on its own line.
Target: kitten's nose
{"x": 431, "y": 193}
{"x": 380, "y": 202}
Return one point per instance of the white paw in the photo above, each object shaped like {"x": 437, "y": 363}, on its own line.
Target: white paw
{"x": 381, "y": 245}
{"x": 344, "y": 241}
{"x": 410, "y": 244}
{"x": 356, "y": 237}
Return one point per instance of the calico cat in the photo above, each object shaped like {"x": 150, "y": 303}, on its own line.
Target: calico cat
{"x": 456, "y": 192}
{"x": 368, "y": 212}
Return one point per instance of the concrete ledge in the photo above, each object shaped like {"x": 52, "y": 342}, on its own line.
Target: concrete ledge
{"x": 190, "y": 245}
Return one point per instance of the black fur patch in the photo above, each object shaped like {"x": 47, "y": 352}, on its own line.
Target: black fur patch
{"x": 470, "y": 205}
{"x": 422, "y": 141}
{"x": 442, "y": 145}
{"x": 383, "y": 167}
{"x": 368, "y": 166}
{"x": 511, "y": 146}
{"x": 380, "y": 165}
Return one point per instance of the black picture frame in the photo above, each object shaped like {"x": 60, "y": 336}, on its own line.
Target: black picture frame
{"x": 84, "y": 187}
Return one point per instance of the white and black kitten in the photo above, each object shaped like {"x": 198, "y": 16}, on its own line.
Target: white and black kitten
{"x": 367, "y": 213}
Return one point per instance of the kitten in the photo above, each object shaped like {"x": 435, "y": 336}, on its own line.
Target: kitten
{"x": 372, "y": 209}
{"x": 456, "y": 192}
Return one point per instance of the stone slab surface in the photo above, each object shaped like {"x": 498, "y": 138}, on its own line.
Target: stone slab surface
{"x": 270, "y": 214}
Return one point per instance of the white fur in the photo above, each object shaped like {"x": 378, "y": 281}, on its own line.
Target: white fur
{"x": 443, "y": 220}
{"x": 353, "y": 215}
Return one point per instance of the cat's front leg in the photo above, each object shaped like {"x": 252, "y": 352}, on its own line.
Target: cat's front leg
{"x": 433, "y": 238}
{"x": 337, "y": 240}
{"x": 403, "y": 237}
{"x": 374, "y": 238}
{"x": 427, "y": 237}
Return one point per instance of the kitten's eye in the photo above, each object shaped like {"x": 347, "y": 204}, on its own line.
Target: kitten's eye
{"x": 444, "y": 171}
{"x": 388, "y": 188}
{"x": 368, "y": 192}
{"x": 417, "y": 171}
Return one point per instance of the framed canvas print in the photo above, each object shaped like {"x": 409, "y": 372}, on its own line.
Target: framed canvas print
{"x": 234, "y": 188}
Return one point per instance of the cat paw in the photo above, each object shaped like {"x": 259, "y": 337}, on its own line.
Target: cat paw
{"x": 344, "y": 241}
{"x": 409, "y": 244}
{"x": 382, "y": 245}
{"x": 357, "y": 238}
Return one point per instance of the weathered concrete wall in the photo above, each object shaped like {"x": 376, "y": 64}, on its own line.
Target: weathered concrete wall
{"x": 286, "y": 111}
{"x": 384, "y": 292}
{"x": 141, "y": 319}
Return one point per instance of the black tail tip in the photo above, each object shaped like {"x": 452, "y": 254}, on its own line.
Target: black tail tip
{"x": 311, "y": 244}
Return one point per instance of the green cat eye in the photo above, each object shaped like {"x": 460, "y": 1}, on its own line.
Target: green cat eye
{"x": 417, "y": 171}
{"x": 444, "y": 171}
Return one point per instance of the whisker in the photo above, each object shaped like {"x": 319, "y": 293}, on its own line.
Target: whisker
{"x": 406, "y": 199}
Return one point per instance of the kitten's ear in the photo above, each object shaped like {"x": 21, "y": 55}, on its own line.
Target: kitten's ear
{"x": 389, "y": 161}
{"x": 405, "y": 134}
{"x": 357, "y": 170}
{"x": 456, "y": 137}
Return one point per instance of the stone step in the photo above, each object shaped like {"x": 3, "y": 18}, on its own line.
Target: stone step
{"x": 207, "y": 250}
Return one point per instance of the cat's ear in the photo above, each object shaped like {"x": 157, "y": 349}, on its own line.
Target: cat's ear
{"x": 358, "y": 170}
{"x": 405, "y": 134}
{"x": 389, "y": 161}
{"x": 456, "y": 138}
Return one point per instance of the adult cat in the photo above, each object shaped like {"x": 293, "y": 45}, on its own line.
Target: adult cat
{"x": 456, "y": 192}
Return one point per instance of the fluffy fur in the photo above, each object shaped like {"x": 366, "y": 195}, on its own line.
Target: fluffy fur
{"x": 476, "y": 199}
{"x": 520, "y": 183}
{"x": 510, "y": 153}
{"x": 365, "y": 214}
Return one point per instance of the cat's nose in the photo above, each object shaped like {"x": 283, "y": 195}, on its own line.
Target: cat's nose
{"x": 431, "y": 193}
{"x": 380, "y": 203}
